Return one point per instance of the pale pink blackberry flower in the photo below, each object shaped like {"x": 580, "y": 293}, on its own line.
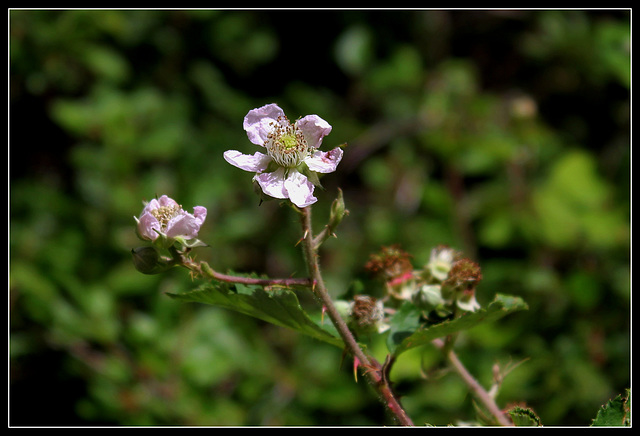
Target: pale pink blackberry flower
{"x": 288, "y": 169}
{"x": 165, "y": 218}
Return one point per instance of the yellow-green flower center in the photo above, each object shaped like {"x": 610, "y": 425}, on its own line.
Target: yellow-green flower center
{"x": 289, "y": 141}
{"x": 286, "y": 144}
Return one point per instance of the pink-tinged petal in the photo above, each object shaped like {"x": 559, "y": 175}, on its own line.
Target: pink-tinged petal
{"x": 324, "y": 162}
{"x": 272, "y": 184}
{"x": 184, "y": 225}
{"x": 314, "y": 129}
{"x": 147, "y": 224}
{"x": 167, "y": 202}
{"x": 299, "y": 189}
{"x": 258, "y": 122}
{"x": 163, "y": 201}
{"x": 255, "y": 163}
{"x": 200, "y": 214}
{"x": 152, "y": 205}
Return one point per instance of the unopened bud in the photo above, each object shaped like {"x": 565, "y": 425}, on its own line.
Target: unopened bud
{"x": 343, "y": 308}
{"x": 441, "y": 261}
{"x": 428, "y": 297}
{"x": 338, "y": 211}
{"x": 367, "y": 314}
{"x": 464, "y": 275}
{"x": 147, "y": 260}
{"x": 462, "y": 281}
{"x": 391, "y": 263}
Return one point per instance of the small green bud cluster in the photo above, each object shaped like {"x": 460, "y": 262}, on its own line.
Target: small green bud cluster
{"x": 444, "y": 285}
{"x": 449, "y": 280}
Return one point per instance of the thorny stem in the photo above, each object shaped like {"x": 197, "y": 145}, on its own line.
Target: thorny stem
{"x": 481, "y": 394}
{"x": 375, "y": 373}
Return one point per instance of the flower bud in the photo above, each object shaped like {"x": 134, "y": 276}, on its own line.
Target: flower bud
{"x": 344, "y": 308}
{"x": 461, "y": 284}
{"x": 367, "y": 315}
{"x": 428, "y": 297}
{"x": 147, "y": 260}
{"x": 391, "y": 263}
{"x": 464, "y": 275}
{"x": 338, "y": 211}
{"x": 440, "y": 262}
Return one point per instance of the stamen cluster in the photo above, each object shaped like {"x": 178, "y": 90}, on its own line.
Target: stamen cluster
{"x": 286, "y": 144}
{"x": 164, "y": 214}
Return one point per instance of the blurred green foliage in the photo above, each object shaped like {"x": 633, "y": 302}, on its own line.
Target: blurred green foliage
{"x": 505, "y": 134}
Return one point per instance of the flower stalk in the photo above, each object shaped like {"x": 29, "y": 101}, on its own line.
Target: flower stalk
{"x": 474, "y": 386}
{"x": 203, "y": 269}
{"x": 375, "y": 373}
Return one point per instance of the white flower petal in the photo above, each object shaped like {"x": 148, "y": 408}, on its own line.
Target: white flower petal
{"x": 314, "y": 129}
{"x": 257, "y": 122}
{"x": 324, "y": 162}
{"x": 272, "y": 184}
{"x": 299, "y": 189}
{"x": 469, "y": 305}
{"x": 256, "y": 163}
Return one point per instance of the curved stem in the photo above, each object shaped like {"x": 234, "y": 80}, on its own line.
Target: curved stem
{"x": 476, "y": 388}
{"x": 205, "y": 270}
{"x": 375, "y": 373}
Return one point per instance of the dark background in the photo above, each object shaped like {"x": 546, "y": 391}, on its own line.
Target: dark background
{"x": 505, "y": 134}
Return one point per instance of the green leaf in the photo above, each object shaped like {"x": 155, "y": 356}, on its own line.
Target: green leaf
{"x": 407, "y": 329}
{"x": 279, "y": 306}
{"x": 615, "y": 413}
{"x": 524, "y": 417}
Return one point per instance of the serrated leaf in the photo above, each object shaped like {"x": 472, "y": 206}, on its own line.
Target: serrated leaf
{"x": 278, "y": 306}
{"x": 614, "y": 413}
{"x": 407, "y": 331}
{"x": 524, "y": 417}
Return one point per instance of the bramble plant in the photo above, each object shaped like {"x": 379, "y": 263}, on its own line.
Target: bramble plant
{"x": 426, "y": 305}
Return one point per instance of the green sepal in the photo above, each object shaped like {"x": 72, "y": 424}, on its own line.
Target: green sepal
{"x": 312, "y": 176}
{"x": 190, "y": 243}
